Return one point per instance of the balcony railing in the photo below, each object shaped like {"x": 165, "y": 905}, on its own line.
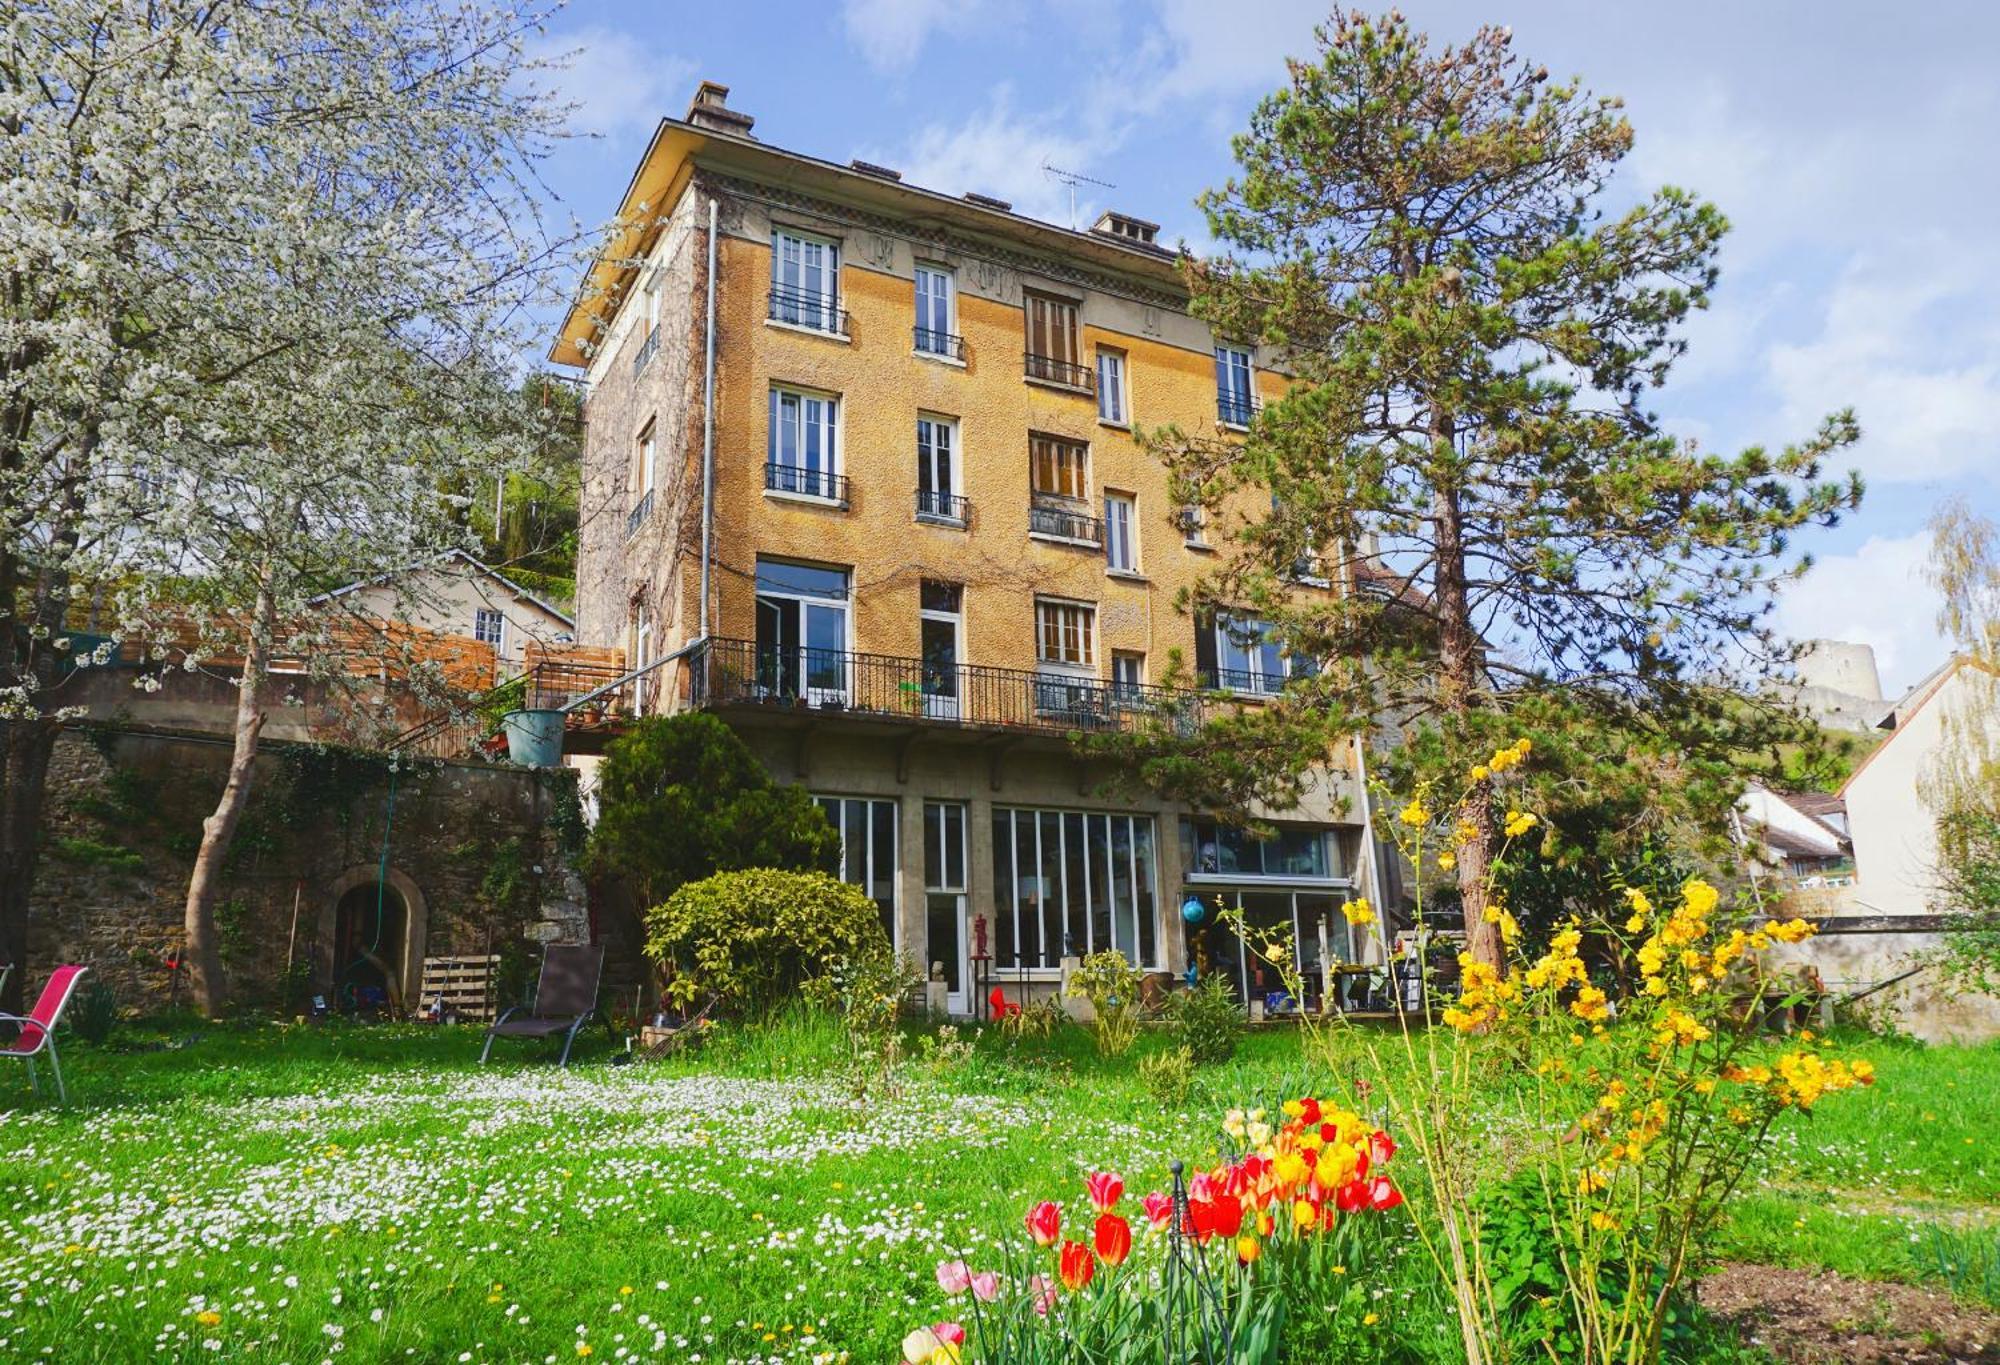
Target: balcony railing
{"x": 1049, "y": 370}
{"x": 1235, "y": 410}
{"x": 726, "y": 672}
{"x": 811, "y": 483}
{"x": 1243, "y": 680}
{"x": 804, "y": 308}
{"x": 940, "y": 343}
{"x": 647, "y": 350}
{"x": 636, "y": 518}
{"x": 934, "y": 506}
{"x": 1064, "y": 524}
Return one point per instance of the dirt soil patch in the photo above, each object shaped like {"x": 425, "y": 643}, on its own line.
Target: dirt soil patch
{"x": 1809, "y": 1317}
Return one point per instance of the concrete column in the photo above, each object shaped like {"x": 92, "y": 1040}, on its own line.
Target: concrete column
{"x": 912, "y": 930}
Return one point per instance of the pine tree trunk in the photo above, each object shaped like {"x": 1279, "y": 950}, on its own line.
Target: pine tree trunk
{"x": 203, "y": 953}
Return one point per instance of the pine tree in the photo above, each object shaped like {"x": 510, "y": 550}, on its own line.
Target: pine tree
{"x": 1418, "y": 234}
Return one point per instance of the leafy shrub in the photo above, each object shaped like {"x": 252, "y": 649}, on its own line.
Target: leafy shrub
{"x": 1206, "y": 1020}
{"x": 1110, "y": 982}
{"x": 1169, "y": 1076}
{"x": 95, "y": 1011}
{"x": 755, "y": 937}
{"x": 944, "y": 1050}
{"x": 866, "y": 992}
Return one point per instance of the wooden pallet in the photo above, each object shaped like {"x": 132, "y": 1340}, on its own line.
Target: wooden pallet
{"x": 466, "y": 985}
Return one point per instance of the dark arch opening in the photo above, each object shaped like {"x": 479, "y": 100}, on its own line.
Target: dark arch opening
{"x": 370, "y": 925}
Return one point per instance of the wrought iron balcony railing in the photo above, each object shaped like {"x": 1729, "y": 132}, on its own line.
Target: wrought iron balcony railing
{"x": 812, "y": 483}
{"x": 1065, "y": 524}
{"x": 636, "y": 518}
{"x": 940, "y": 343}
{"x": 934, "y": 506}
{"x": 725, "y": 672}
{"x": 1048, "y": 370}
{"x": 647, "y": 350}
{"x": 1235, "y": 410}
{"x": 1243, "y": 680}
{"x": 805, "y": 308}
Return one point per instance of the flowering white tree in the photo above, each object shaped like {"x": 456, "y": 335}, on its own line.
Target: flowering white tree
{"x": 266, "y": 267}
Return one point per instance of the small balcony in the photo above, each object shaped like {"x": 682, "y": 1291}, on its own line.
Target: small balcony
{"x": 647, "y": 350}
{"x": 945, "y": 508}
{"x": 806, "y": 483}
{"x": 742, "y": 673}
{"x": 812, "y": 311}
{"x": 1243, "y": 681}
{"x": 1065, "y": 524}
{"x": 1235, "y": 409}
{"x": 942, "y": 344}
{"x": 636, "y": 518}
{"x": 1043, "y": 369}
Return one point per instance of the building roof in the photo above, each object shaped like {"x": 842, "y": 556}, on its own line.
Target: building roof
{"x": 478, "y": 566}
{"x": 668, "y": 164}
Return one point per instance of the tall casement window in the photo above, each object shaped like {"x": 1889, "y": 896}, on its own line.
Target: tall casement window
{"x": 944, "y": 895}
{"x": 802, "y": 631}
{"x": 1128, "y": 674}
{"x": 1121, "y": 533}
{"x": 803, "y": 449}
{"x": 1065, "y": 636}
{"x": 937, "y": 313}
{"x": 1111, "y": 403}
{"x": 941, "y": 626}
{"x": 649, "y": 322}
{"x": 488, "y": 626}
{"x": 805, "y": 281}
{"x": 645, "y": 468}
{"x": 1055, "y": 348}
{"x": 1234, "y": 402}
{"x": 1242, "y": 654}
{"x": 1059, "y": 489}
{"x": 867, "y": 830}
{"x": 1071, "y": 883}
{"x": 938, "y": 497}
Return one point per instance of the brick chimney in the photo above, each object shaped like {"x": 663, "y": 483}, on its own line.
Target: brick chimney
{"x": 710, "y": 109}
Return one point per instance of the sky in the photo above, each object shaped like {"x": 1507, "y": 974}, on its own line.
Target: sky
{"x": 1854, "y": 147}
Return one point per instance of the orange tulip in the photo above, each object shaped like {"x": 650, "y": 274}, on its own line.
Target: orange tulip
{"x": 1075, "y": 1265}
{"x": 1113, "y": 1239}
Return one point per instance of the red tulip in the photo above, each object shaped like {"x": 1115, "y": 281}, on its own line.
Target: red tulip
{"x": 1220, "y": 1215}
{"x": 1159, "y": 1208}
{"x": 1350, "y": 1197}
{"x": 1045, "y": 1223}
{"x": 1105, "y": 1188}
{"x": 1075, "y": 1266}
{"x": 1382, "y": 1145}
{"x": 1113, "y": 1238}
{"x": 1383, "y": 1194}
{"x": 1310, "y": 1112}
{"x": 1360, "y": 1162}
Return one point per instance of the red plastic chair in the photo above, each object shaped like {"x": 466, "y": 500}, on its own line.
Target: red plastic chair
{"x": 38, "y": 1027}
{"x": 1002, "y": 1007}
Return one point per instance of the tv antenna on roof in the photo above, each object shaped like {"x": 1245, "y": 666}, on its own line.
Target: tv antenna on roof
{"x": 1072, "y": 179}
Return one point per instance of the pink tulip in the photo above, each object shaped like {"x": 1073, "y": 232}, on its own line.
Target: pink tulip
{"x": 1159, "y": 1208}
{"x": 1105, "y": 1189}
{"x": 1043, "y": 1290}
{"x": 954, "y": 1277}
{"x": 1045, "y": 1223}
{"x": 986, "y": 1286}
{"x": 950, "y": 1333}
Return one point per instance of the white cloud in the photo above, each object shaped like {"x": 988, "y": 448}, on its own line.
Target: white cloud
{"x": 1000, "y": 152}
{"x": 890, "y": 33}
{"x": 1876, "y": 596}
{"x": 617, "y": 83}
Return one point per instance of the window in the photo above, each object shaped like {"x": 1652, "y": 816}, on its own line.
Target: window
{"x": 1128, "y": 674}
{"x": 937, "y": 487}
{"x": 805, "y": 281}
{"x": 488, "y": 626}
{"x": 1193, "y": 521}
{"x": 867, "y": 830}
{"x": 1071, "y": 883}
{"x": 1234, "y": 401}
{"x": 1213, "y": 849}
{"x": 802, "y": 453}
{"x": 1059, "y": 468}
{"x": 801, "y": 631}
{"x": 941, "y": 628}
{"x": 1065, "y": 635}
{"x": 645, "y": 462}
{"x": 944, "y": 891}
{"x": 1242, "y": 654}
{"x": 1111, "y": 387}
{"x": 1055, "y": 353}
{"x": 1121, "y": 530}
{"x": 937, "y": 313}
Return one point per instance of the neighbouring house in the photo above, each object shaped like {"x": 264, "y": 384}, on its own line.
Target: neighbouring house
{"x": 860, "y": 476}
{"x": 1798, "y": 837}
{"x": 455, "y": 594}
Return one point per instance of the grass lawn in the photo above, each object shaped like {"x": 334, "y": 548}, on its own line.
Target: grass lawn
{"x": 364, "y": 1193}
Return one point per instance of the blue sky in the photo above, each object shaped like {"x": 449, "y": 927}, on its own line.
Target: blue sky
{"x": 1853, "y": 147}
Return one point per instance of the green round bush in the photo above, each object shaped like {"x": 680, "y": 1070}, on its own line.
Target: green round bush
{"x": 753, "y": 938}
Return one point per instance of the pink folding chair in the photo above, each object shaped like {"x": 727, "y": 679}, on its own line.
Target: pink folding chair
{"x": 38, "y": 1028}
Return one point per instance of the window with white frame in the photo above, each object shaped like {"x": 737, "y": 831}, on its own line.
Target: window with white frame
{"x": 1128, "y": 673}
{"x": 937, "y": 312}
{"x": 1066, "y": 635}
{"x": 1193, "y": 521}
{"x": 805, "y": 281}
{"x": 937, "y": 468}
{"x": 802, "y": 622}
{"x": 1071, "y": 883}
{"x": 1242, "y": 654}
{"x": 802, "y": 454}
{"x": 645, "y": 463}
{"x": 867, "y": 830}
{"x": 1111, "y": 404}
{"x": 1234, "y": 403}
{"x": 488, "y": 626}
{"x": 1121, "y": 533}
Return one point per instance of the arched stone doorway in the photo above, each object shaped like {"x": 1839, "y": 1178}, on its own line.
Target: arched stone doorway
{"x": 372, "y": 930}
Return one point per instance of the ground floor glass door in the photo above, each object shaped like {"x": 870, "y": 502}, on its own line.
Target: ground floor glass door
{"x": 944, "y": 902}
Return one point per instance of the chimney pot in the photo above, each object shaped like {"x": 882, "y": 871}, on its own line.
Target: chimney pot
{"x": 710, "y": 109}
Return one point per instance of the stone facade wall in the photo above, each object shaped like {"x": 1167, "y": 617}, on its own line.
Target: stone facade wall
{"x": 480, "y": 854}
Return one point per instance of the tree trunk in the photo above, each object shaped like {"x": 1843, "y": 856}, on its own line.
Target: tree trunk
{"x": 25, "y": 746}
{"x": 1461, "y": 657}
{"x": 203, "y": 952}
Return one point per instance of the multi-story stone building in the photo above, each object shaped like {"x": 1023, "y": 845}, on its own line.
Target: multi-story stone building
{"x": 860, "y": 475}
